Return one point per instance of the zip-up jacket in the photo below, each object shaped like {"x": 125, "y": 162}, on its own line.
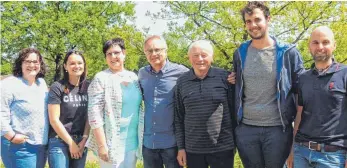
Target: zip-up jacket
{"x": 289, "y": 66}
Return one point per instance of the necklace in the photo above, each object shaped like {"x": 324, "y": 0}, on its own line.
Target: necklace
{"x": 322, "y": 69}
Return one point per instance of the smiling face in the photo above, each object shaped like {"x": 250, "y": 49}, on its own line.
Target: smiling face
{"x": 115, "y": 58}
{"x": 322, "y": 44}
{"x": 256, "y": 24}
{"x": 155, "y": 50}
{"x": 74, "y": 65}
{"x": 31, "y": 66}
{"x": 200, "y": 57}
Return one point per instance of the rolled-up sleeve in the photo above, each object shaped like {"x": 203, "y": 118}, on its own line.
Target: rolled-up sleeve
{"x": 96, "y": 103}
{"x": 6, "y": 100}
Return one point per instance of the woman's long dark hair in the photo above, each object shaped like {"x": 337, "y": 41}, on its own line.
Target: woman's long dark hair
{"x": 83, "y": 79}
{"x": 24, "y": 53}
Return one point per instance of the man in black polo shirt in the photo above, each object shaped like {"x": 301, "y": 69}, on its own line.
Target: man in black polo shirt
{"x": 203, "y": 119}
{"x": 321, "y": 121}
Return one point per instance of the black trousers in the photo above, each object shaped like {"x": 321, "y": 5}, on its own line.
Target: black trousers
{"x": 224, "y": 159}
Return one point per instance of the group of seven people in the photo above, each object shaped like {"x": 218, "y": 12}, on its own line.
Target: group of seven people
{"x": 193, "y": 117}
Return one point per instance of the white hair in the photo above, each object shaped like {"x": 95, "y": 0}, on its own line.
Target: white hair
{"x": 161, "y": 38}
{"x": 205, "y": 44}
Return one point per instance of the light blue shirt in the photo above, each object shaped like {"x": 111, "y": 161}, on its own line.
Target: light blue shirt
{"x": 24, "y": 109}
{"x": 158, "y": 93}
{"x": 130, "y": 116}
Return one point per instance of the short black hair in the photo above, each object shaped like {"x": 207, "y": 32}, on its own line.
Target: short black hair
{"x": 24, "y": 53}
{"x": 113, "y": 42}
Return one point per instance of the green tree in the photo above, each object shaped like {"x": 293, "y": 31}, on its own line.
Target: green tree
{"x": 56, "y": 27}
{"x": 221, "y": 23}
{"x": 6, "y": 67}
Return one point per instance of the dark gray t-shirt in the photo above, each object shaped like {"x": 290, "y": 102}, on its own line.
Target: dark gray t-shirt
{"x": 259, "y": 101}
{"x": 73, "y": 107}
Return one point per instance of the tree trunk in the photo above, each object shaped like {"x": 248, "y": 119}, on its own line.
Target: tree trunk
{"x": 57, "y": 67}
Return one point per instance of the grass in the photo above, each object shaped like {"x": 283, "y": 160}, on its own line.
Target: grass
{"x": 95, "y": 164}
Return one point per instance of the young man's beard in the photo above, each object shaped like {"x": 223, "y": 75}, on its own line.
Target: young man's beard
{"x": 262, "y": 35}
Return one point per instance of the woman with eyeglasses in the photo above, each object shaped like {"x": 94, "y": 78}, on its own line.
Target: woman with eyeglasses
{"x": 67, "y": 109}
{"x": 114, "y": 111}
{"x": 24, "y": 120}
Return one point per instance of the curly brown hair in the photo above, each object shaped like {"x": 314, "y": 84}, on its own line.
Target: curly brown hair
{"x": 24, "y": 53}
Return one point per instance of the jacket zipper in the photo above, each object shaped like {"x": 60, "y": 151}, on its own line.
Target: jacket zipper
{"x": 279, "y": 91}
{"x": 278, "y": 101}
{"x": 241, "y": 88}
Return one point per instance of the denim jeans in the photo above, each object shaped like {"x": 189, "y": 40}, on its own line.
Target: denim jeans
{"x": 22, "y": 155}
{"x": 224, "y": 159}
{"x": 261, "y": 147}
{"x": 59, "y": 154}
{"x": 155, "y": 158}
{"x": 306, "y": 158}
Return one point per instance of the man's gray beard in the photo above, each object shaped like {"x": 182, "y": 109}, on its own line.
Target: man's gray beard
{"x": 322, "y": 58}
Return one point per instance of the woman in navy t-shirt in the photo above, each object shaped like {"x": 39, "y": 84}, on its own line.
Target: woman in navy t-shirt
{"x": 67, "y": 108}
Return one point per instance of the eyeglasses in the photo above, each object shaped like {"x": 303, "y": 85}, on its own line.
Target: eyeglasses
{"x": 154, "y": 51}
{"x": 28, "y": 62}
{"x": 115, "y": 53}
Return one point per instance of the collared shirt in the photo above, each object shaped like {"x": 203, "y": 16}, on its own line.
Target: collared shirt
{"x": 324, "y": 101}
{"x": 158, "y": 90}
{"x": 203, "y": 118}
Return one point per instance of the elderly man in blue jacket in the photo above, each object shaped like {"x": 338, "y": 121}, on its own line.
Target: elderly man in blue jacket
{"x": 266, "y": 80}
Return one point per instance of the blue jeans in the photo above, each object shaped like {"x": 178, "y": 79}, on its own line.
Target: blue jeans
{"x": 155, "y": 158}
{"x": 22, "y": 155}
{"x": 59, "y": 154}
{"x": 306, "y": 158}
{"x": 261, "y": 147}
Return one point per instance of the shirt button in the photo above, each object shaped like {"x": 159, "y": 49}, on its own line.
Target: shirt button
{"x": 154, "y": 123}
{"x": 154, "y": 111}
{"x": 153, "y": 133}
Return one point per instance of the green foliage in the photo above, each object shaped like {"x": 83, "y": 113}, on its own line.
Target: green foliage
{"x": 221, "y": 23}
{"x": 6, "y": 67}
{"x": 56, "y": 27}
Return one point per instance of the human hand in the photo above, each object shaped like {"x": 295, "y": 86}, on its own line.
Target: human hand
{"x": 232, "y": 78}
{"x": 82, "y": 145}
{"x": 182, "y": 158}
{"x": 103, "y": 153}
{"x": 290, "y": 160}
{"x": 75, "y": 151}
{"x": 19, "y": 139}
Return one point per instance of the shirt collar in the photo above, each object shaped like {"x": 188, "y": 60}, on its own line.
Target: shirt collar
{"x": 163, "y": 69}
{"x": 211, "y": 73}
{"x": 332, "y": 69}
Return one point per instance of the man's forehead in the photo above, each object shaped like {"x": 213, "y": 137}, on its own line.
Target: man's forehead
{"x": 201, "y": 49}
{"x": 155, "y": 42}
{"x": 255, "y": 13}
{"x": 322, "y": 33}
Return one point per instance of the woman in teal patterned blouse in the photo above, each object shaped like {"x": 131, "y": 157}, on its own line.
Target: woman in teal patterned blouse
{"x": 114, "y": 111}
